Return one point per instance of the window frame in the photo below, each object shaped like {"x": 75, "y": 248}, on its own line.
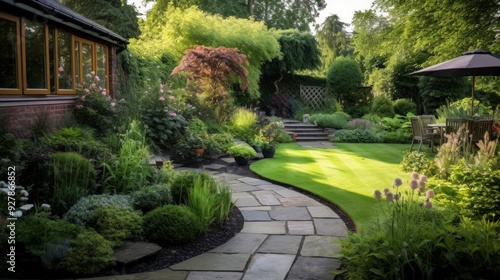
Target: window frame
{"x": 58, "y": 90}
{"x": 26, "y": 90}
{"x": 106, "y": 66}
{"x": 19, "y": 89}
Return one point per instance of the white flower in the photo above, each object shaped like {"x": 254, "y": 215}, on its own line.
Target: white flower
{"x": 3, "y": 184}
{"x": 18, "y": 214}
{"x": 45, "y": 205}
{"x": 24, "y": 193}
{"x": 23, "y": 198}
{"x": 26, "y": 207}
{"x": 5, "y": 190}
{"x": 20, "y": 187}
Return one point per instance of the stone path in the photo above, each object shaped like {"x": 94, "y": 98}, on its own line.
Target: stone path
{"x": 286, "y": 235}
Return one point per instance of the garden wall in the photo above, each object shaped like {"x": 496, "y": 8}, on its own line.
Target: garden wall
{"x": 20, "y": 117}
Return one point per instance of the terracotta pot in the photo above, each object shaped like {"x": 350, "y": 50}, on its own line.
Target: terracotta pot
{"x": 199, "y": 151}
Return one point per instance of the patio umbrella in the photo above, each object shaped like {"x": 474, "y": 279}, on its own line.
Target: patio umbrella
{"x": 473, "y": 63}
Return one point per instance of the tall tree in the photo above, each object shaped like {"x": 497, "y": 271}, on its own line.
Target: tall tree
{"x": 116, "y": 15}
{"x": 334, "y": 40}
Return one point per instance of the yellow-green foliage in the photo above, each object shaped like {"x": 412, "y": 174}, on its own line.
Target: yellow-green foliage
{"x": 185, "y": 29}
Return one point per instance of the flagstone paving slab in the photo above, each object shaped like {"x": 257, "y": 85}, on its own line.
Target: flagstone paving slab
{"x": 332, "y": 227}
{"x": 269, "y": 267}
{"x": 290, "y": 213}
{"x": 300, "y": 227}
{"x": 322, "y": 212}
{"x": 242, "y": 187}
{"x": 320, "y": 246}
{"x": 214, "y": 262}
{"x": 244, "y": 243}
{"x": 256, "y": 208}
{"x": 256, "y": 215}
{"x": 309, "y": 268}
{"x": 268, "y": 199}
{"x": 275, "y": 227}
{"x": 281, "y": 244}
{"x": 270, "y": 187}
{"x": 245, "y": 200}
{"x": 210, "y": 275}
{"x": 214, "y": 166}
{"x": 289, "y": 193}
{"x": 298, "y": 201}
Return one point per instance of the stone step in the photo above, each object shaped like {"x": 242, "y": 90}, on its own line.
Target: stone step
{"x": 299, "y": 130}
{"x": 306, "y": 134}
{"x": 312, "y": 138}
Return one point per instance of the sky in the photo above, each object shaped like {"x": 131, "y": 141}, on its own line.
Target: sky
{"x": 343, "y": 8}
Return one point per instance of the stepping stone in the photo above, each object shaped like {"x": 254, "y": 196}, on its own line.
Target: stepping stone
{"x": 244, "y": 200}
{"x": 281, "y": 244}
{"x": 298, "y": 201}
{"x": 256, "y": 208}
{"x": 256, "y": 215}
{"x": 332, "y": 227}
{"x": 228, "y": 160}
{"x": 322, "y": 212}
{"x": 269, "y": 267}
{"x": 214, "y": 262}
{"x": 214, "y": 166}
{"x": 289, "y": 193}
{"x": 321, "y": 246}
{"x": 277, "y": 227}
{"x": 300, "y": 227}
{"x": 130, "y": 252}
{"x": 268, "y": 199}
{"x": 306, "y": 268}
{"x": 243, "y": 243}
{"x": 210, "y": 275}
{"x": 270, "y": 187}
{"x": 290, "y": 214}
{"x": 242, "y": 187}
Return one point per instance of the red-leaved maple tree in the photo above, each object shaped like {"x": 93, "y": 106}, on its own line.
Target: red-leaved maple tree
{"x": 214, "y": 70}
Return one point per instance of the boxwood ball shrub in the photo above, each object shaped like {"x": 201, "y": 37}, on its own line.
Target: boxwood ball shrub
{"x": 171, "y": 224}
{"x": 81, "y": 212}
{"x": 184, "y": 181}
{"x": 87, "y": 254}
{"x": 152, "y": 197}
{"x": 382, "y": 106}
{"x": 356, "y": 136}
{"x": 117, "y": 224}
{"x": 404, "y": 106}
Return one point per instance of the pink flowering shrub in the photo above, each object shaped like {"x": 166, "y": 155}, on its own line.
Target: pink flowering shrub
{"x": 95, "y": 108}
{"x": 159, "y": 113}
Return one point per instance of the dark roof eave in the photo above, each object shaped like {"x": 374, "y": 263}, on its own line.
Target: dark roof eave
{"x": 56, "y": 12}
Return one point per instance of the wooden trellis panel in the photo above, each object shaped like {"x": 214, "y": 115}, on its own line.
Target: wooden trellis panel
{"x": 313, "y": 96}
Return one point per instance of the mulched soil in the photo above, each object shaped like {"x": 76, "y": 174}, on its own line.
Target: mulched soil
{"x": 215, "y": 236}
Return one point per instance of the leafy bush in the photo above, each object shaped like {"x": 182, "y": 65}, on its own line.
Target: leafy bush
{"x": 72, "y": 177}
{"x": 81, "y": 212}
{"x": 87, "y": 254}
{"x": 283, "y": 137}
{"x": 171, "y": 224}
{"x": 399, "y": 136}
{"x": 335, "y": 121}
{"x": 242, "y": 150}
{"x": 404, "y": 106}
{"x": 382, "y": 106}
{"x": 356, "y": 136}
{"x": 414, "y": 161}
{"x": 219, "y": 143}
{"x": 269, "y": 133}
{"x": 151, "y": 197}
{"x": 117, "y": 224}
{"x": 130, "y": 170}
{"x": 184, "y": 181}
{"x": 343, "y": 79}
{"x": 359, "y": 124}
{"x": 243, "y": 125}
{"x": 207, "y": 205}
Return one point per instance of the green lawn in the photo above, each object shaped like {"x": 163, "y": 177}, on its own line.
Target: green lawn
{"x": 346, "y": 176}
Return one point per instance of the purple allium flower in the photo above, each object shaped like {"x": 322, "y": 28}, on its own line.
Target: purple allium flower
{"x": 423, "y": 178}
{"x": 427, "y": 204}
{"x": 377, "y": 194}
{"x": 386, "y": 190}
{"x": 396, "y": 196}
{"x": 413, "y": 184}
{"x": 397, "y": 182}
{"x": 414, "y": 175}
{"x": 430, "y": 194}
{"x": 389, "y": 197}
{"x": 421, "y": 187}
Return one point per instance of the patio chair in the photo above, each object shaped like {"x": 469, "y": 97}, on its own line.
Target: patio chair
{"x": 426, "y": 121}
{"x": 420, "y": 133}
{"x": 452, "y": 125}
{"x": 477, "y": 129}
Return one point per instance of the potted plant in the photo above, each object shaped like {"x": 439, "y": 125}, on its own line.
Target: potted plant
{"x": 257, "y": 143}
{"x": 269, "y": 135}
{"x": 197, "y": 142}
{"x": 241, "y": 153}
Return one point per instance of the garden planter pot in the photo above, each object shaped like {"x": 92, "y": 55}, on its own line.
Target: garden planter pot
{"x": 241, "y": 160}
{"x": 199, "y": 151}
{"x": 256, "y": 148}
{"x": 269, "y": 153}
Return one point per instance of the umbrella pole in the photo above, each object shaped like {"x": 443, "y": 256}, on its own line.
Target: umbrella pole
{"x": 472, "y": 99}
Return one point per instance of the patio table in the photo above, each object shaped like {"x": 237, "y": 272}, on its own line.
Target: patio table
{"x": 439, "y": 128}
